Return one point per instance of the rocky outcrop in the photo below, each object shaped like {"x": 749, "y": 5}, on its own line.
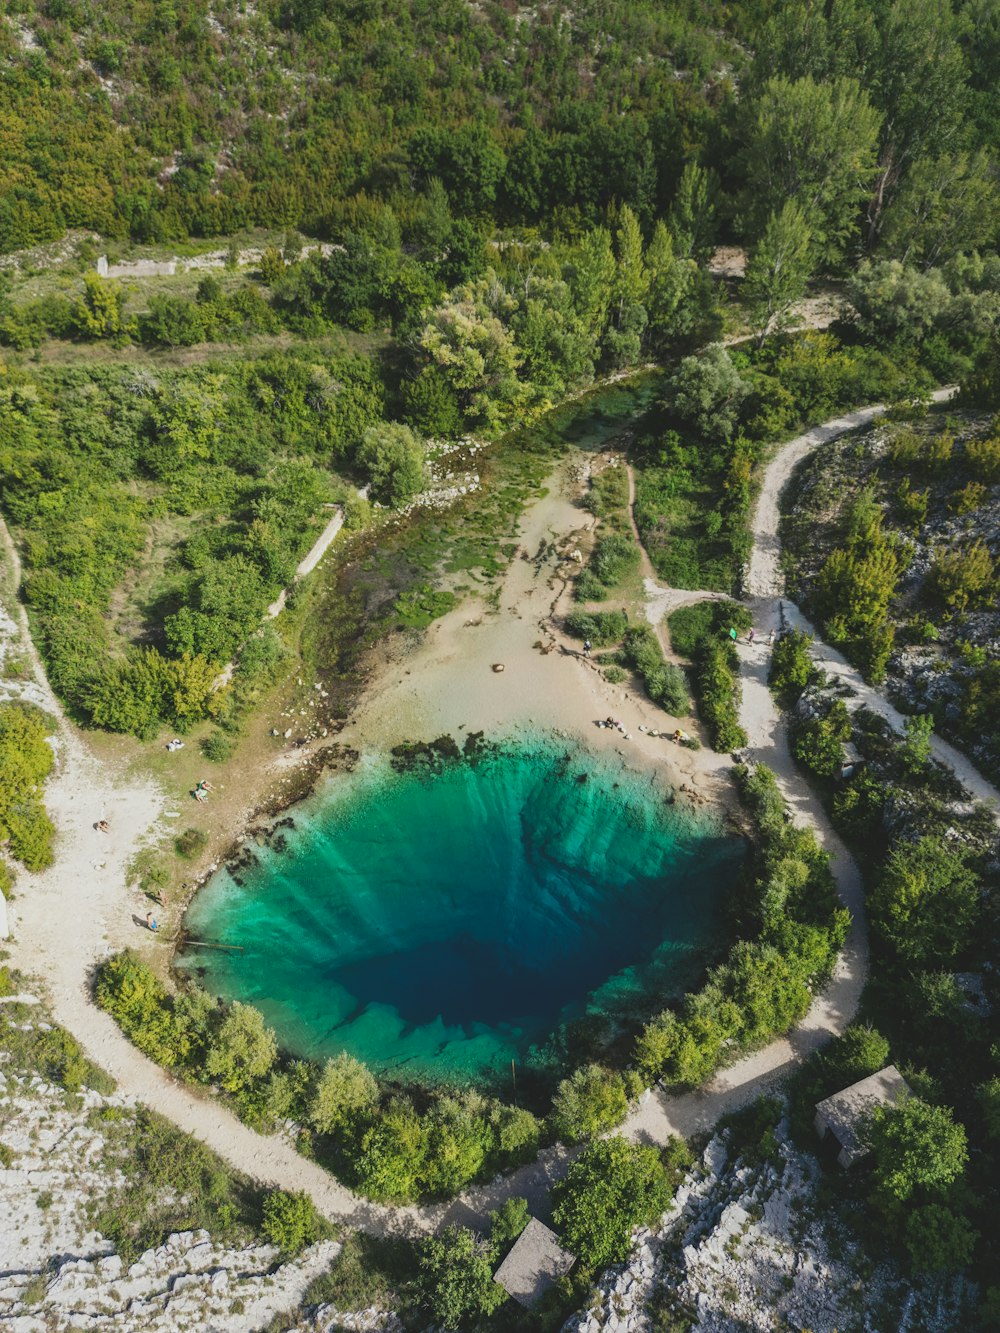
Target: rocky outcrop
{"x": 747, "y": 1246}
{"x": 57, "y": 1271}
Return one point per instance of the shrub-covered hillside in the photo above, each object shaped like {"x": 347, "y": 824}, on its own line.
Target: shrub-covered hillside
{"x": 157, "y": 120}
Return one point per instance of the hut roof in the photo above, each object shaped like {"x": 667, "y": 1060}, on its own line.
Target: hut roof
{"x": 844, "y": 1112}
{"x": 535, "y": 1263}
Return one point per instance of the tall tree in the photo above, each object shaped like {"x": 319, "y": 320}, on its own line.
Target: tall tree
{"x": 918, "y": 83}
{"x": 814, "y": 143}
{"x": 692, "y": 217}
{"x": 779, "y": 268}
{"x": 947, "y": 205}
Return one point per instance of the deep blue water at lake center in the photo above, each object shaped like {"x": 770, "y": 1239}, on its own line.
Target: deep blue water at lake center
{"x": 437, "y": 926}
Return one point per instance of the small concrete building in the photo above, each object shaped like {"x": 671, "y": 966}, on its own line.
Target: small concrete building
{"x": 535, "y": 1264}
{"x": 842, "y": 1114}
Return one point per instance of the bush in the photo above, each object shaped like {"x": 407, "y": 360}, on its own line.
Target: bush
{"x": 25, "y": 763}
{"x": 138, "y": 1002}
{"x": 602, "y": 628}
{"x": 291, "y": 1222}
{"x": 614, "y": 557}
{"x": 190, "y": 843}
{"x": 963, "y": 577}
{"x": 717, "y": 677}
{"x": 983, "y": 457}
{"x": 665, "y": 682}
{"x": 691, "y": 625}
{"x": 818, "y": 742}
{"x": 589, "y": 1102}
{"x": 218, "y": 747}
{"x": 791, "y": 666}
{"x": 613, "y": 1187}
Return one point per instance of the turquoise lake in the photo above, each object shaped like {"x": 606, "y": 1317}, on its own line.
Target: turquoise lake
{"x": 439, "y": 925}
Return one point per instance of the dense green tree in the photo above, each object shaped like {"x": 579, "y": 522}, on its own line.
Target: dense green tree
{"x": 917, "y": 1148}
{"x": 589, "y": 1102}
{"x": 896, "y": 302}
{"x": 391, "y": 1158}
{"x": 612, "y": 1187}
{"x": 346, "y": 1090}
{"x": 244, "y": 1049}
{"x": 693, "y": 213}
{"x": 938, "y": 1239}
{"x": 100, "y": 312}
{"x": 393, "y": 457}
{"x": 780, "y": 266}
{"x": 944, "y": 207}
{"x": 467, "y": 338}
{"x": 707, "y": 392}
{"x": 926, "y": 902}
{"x": 813, "y": 144}
{"x": 455, "y": 1278}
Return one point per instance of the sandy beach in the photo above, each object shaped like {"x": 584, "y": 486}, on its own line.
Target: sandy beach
{"x": 448, "y": 685}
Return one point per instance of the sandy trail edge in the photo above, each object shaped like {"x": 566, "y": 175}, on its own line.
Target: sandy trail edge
{"x": 65, "y": 923}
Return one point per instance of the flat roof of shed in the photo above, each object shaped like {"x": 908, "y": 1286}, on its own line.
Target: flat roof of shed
{"x": 536, "y": 1263}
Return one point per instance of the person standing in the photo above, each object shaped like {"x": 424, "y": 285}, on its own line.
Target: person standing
{"x": 586, "y": 647}
{"x": 751, "y": 635}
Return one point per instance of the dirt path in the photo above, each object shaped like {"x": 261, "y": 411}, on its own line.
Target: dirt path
{"x": 74, "y": 914}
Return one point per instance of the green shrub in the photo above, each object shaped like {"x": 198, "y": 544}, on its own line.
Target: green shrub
{"x": 818, "y": 743}
{"x": 589, "y": 1102}
{"x": 791, "y": 666}
{"x": 25, "y": 763}
{"x": 717, "y": 678}
{"x": 138, "y": 1002}
{"x": 664, "y": 681}
{"x": 588, "y": 588}
{"x": 612, "y": 1187}
{"x": 615, "y": 556}
{"x": 291, "y": 1222}
{"x": 191, "y": 843}
{"x": 690, "y": 626}
{"x": 218, "y": 747}
{"x": 602, "y": 628}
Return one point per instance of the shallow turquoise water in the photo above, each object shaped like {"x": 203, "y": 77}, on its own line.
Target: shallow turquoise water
{"x": 439, "y": 926}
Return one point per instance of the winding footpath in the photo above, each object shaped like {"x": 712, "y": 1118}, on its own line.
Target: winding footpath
{"x": 64, "y": 918}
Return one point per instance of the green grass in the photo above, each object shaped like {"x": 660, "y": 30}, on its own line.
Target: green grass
{"x": 672, "y": 514}
{"x": 168, "y": 1182}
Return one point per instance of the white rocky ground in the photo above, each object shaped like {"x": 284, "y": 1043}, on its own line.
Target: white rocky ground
{"x": 58, "y": 1273}
{"x": 748, "y": 1248}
